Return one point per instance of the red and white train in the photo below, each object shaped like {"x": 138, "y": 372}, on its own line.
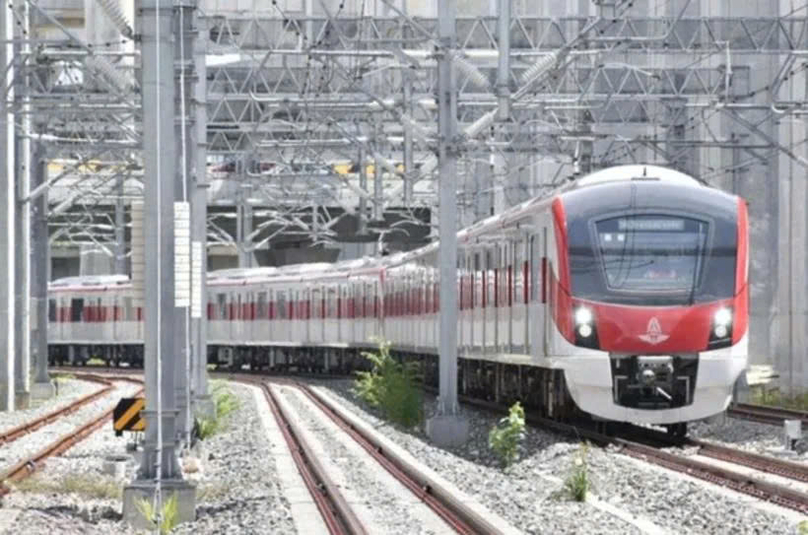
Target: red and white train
{"x": 625, "y": 292}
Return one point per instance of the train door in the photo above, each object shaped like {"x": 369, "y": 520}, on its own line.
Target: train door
{"x": 520, "y": 297}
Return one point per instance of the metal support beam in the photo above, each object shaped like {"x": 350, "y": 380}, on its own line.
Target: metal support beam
{"x": 362, "y": 215}
{"x": 22, "y": 288}
{"x": 378, "y": 174}
{"x": 244, "y": 227}
{"x": 42, "y": 387}
{"x": 446, "y": 428}
{"x": 159, "y": 471}
{"x": 120, "y": 228}
{"x": 185, "y": 35}
{"x": 199, "y": 216}
{"x": 7, "y": 219}
{"x": 504, "y": 67}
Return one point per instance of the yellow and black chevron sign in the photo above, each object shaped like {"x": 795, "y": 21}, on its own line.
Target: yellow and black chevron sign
{"x": 127, "y": 417}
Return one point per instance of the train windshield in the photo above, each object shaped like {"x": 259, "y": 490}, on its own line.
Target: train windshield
{"x": 652, "y": 259}
{"x": 646, "y": 253}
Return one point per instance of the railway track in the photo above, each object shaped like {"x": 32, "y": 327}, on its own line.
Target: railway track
{"x": 650, "y": 445}
{"x": 642, "y": 443}
{"x": 29, "y": 427}
{"x": 765, "y": 414}
{"x": 331, "y": 503}
{"x": 32, "y": 463}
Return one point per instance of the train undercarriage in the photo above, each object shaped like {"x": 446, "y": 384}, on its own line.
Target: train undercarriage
{"x": 542, "y": 391}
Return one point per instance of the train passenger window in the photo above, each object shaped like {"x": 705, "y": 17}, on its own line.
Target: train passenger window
{"x": 76, "y": 309}
{"x": 261, "y": 307}
{"x": 52, "y": 310}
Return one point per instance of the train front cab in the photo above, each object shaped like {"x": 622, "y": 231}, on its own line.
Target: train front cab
{"x": 649, "y": 299}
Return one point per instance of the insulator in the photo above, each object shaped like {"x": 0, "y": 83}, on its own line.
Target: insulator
{"x": 108, "y": 70}
{"x": 540, "y": 68}
{"x": 474, "y": 74}
{"x": 474, "y": 129}
{"x": 115, "y": 13}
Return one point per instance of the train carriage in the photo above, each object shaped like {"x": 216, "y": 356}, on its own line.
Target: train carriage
{"x": 624, "y": 292}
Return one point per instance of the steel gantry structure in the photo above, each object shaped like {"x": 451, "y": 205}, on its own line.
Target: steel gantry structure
{"x": 316, "y": 120}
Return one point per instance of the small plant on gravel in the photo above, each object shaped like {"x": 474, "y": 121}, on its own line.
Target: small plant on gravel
{"x": 577, "y": 483}
{"x": 504, "y": 438}
{"x": 225, "y": 403}
{"x": 391, "y": 386}
{"x": 169, "y": 516}
{"x": 803, "y": 527}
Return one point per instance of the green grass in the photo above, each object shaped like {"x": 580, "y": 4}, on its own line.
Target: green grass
{"x": 95, "y": 361}
{"x": 803, "y": 527}
{"x": 774, "y": 398}
{"x": 391, "y": 386}
{"x": 82, "y": 485}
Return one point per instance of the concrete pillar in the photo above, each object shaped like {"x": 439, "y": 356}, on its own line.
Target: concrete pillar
{"x": 159, "y": 474}
{"x": 42, "y": 388}
{"x": 7, "y": 218}
{"x": 446, "y": 427}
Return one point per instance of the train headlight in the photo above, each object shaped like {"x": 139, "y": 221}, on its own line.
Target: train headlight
{"x": 721, "y": 334}
{"x": 586, "y": 334}
{"x": 723, "y": 318}
{"x": 583, "y": 316}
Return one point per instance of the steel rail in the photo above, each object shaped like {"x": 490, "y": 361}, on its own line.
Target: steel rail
{"x": 454, "y": 512}
{"x": 778, "y": 494}
{"x": 765, "y": 414}
{"x": 29, "y": 427}
{"x": 337, "y": 514}
{"x": 26, "y": 467}
{"x": 762, "y": 463}
{"x": 772, "y": 492}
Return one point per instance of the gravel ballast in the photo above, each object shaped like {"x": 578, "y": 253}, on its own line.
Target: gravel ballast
{"x": 381, "y": 502}
{"x": 69, "y": 390}
{"x": 237, "y": 489}
{"x": 532, "y": 503}
{"x": 27, "y": 445}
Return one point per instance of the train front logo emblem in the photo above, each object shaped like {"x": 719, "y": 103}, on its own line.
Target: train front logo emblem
{"x": 654, "y": 335}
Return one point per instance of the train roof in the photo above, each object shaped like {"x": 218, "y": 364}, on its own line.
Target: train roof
{"x": 373, "y": 265}
{"x": 637, "y": 172}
